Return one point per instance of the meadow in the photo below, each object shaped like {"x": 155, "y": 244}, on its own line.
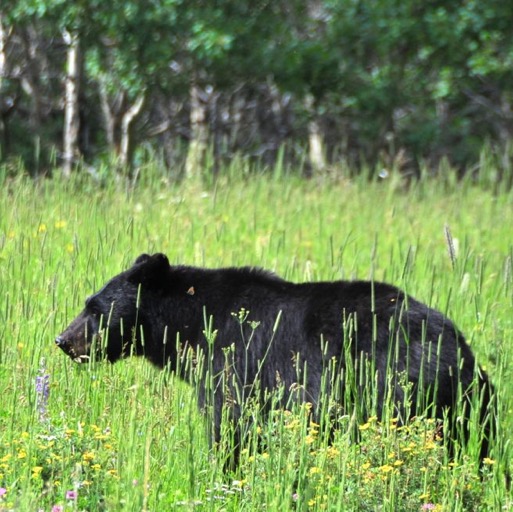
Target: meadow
{"x": 103, "y": 437}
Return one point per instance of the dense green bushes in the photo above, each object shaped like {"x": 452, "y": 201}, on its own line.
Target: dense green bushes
{"x": 359, "y": 82}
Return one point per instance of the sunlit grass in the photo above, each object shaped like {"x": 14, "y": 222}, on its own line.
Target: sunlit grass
{"x": 128, "y": 437}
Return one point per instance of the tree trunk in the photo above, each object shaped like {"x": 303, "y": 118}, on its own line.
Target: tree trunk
{"x": 119, "y": 115}
{"x": 196, "y": 155}
{"x": 316, "y": 149}
{"x": 31, "y": 80}
{"x": 109, "y": 117}
{"x": 125, "y": 142}
{"x": 71, "y": 106}
{"x": 3, "y": 50}
{"x": 4, "y": 131}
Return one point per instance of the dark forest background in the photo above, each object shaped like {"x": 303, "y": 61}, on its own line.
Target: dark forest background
{"x": 190, "y": 84}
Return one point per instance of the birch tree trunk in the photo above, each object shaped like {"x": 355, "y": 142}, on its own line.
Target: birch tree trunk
{"x": 4, "y": 133}
{"x": 108, "y": 116}
{"x": 125, "y": 142}
{"x": 31, "y": 80}
{"x": 3, "y": 58}
{"x": 71, "y": 105}
{"x": 196, "y": 154}
{"x": 119, "y": 116}
{"x": 316, "y": 149}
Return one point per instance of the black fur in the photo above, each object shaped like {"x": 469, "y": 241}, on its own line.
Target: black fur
{"x": 155, "y": 310}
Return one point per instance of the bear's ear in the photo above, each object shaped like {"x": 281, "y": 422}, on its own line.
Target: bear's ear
{"x": 149, "y": 270}
{"x": 142, "y": 258}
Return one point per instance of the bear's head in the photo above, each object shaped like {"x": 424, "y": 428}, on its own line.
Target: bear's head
{"x": 112, "y": 323}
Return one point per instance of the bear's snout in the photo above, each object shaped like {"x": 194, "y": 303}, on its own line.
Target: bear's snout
{"x": 64, "y": 345}
{"x": 61, "y": 342}
{"x": 67, "y": 347}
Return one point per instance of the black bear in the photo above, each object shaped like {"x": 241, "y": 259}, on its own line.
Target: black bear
{"x": 315, "y": 342}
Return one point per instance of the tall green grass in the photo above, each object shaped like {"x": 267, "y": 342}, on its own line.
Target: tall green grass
{"x": 129, "y": 437}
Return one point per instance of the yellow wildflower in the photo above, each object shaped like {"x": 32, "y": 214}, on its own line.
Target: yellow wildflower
{"x": 430, "y": 445}
{"x": 333, "y": 452}
{"x": 88, "y": 456}
{"x": 36, "y": 471}
{"x": 293, "y": 424}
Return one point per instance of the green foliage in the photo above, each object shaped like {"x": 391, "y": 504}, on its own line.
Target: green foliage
{"x": 431, "y": 78}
